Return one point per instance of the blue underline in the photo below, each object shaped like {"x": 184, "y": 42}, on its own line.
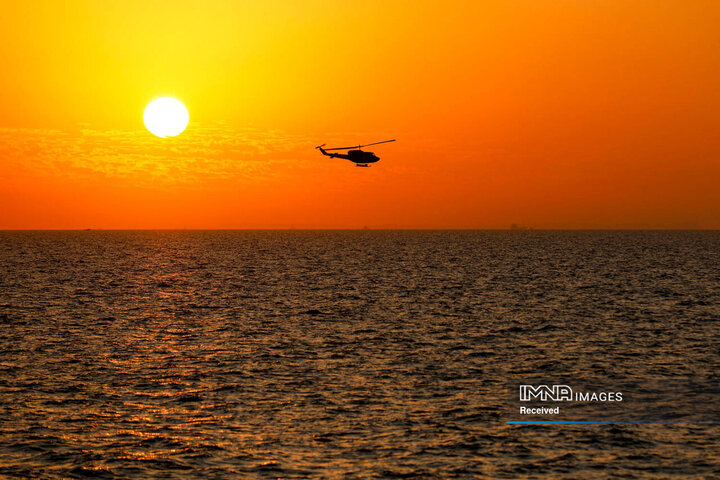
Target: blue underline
{"x": 602, "y": 422}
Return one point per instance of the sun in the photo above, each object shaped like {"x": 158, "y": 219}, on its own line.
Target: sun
{"x": 166, "y": 117}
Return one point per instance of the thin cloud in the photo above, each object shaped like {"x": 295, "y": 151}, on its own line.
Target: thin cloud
{"x": 200, "y": 154}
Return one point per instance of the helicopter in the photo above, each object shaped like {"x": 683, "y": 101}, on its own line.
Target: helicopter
{"x": 355, "y": 154}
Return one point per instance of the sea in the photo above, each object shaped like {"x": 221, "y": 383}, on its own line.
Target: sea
{"x": 356, "y": 354}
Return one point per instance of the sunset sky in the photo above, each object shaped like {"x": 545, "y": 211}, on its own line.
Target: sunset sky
{"x": 546, "y": 114}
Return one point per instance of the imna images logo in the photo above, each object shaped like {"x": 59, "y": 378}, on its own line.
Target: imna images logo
{"x": 564, "y": 393}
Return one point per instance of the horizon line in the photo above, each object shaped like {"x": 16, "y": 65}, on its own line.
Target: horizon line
{"x": 290, "y": 229}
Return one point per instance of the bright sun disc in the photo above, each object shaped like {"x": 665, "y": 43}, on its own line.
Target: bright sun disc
{"x": 166, "y": 117}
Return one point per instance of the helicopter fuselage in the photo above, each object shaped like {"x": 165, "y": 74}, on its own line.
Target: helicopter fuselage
{"x": 360, "y": 156}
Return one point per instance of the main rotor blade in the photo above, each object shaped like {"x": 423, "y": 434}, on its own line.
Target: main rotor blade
{"x": 344, "y": 148}
{"x": 359, "y": 146}
{"x": 377, "y": 143}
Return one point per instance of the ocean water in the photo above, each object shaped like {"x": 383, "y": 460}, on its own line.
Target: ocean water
{"x": 349, "y": 354}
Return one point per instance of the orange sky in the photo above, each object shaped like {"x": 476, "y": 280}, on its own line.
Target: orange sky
{"x": 548, "y": 114}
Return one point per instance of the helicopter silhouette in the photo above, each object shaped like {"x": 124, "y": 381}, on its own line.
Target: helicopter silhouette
{"x": 360, "y": 157}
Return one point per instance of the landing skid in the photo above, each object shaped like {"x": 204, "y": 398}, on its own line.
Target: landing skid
{"x": 361, "y": 165}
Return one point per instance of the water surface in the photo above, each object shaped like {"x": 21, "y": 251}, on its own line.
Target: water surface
{"x": 331, "y": 354}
